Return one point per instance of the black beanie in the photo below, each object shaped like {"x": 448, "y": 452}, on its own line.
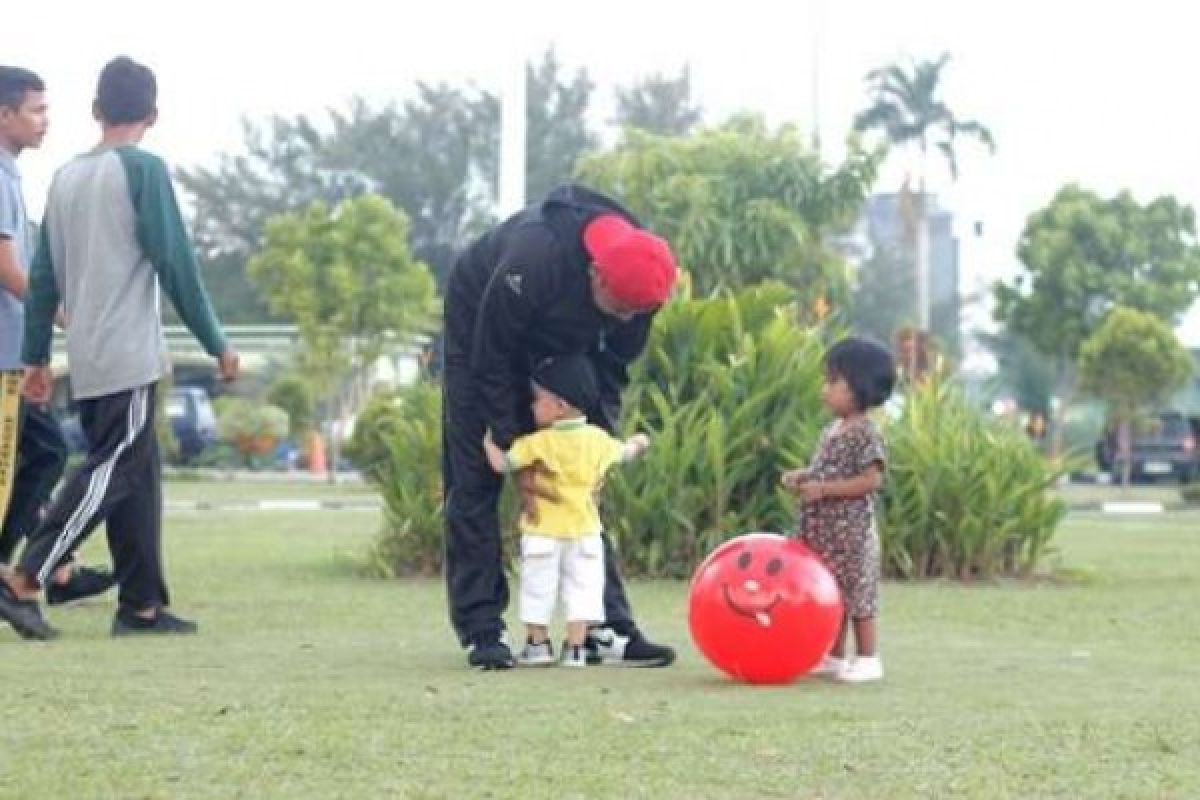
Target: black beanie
{"x": 570, "y": 377}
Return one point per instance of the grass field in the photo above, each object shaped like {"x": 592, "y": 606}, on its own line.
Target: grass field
{"x": 309, "y": 681}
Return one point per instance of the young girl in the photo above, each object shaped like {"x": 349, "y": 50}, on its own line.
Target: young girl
{"x": 836, "y": 513}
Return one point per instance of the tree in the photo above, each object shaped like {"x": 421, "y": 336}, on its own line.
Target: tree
{"x": 741, "y": 204}
{"x": 347, "y": 279}
{"x": 556, "y": 128}
{"x": 659, "y": 105}
{"x": 434, "y": 156}
{"x": 1082, "y": 256}
{"x": 278, "y": 172}
{"x": 906, "y": 109}
{"x": 1132, "y": 361}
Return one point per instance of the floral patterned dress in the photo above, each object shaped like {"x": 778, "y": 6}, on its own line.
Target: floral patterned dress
{"x": 842, "y": 530}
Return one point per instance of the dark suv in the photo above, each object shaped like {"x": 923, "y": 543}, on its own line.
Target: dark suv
{"x": 1164, "y": 446}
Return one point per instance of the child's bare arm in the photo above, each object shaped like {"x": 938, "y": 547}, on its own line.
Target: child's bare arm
{"x": 858, "y": 486}
{"x": 495, "y": 455}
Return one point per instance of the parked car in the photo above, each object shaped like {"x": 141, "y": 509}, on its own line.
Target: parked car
{"x": 1164, "y": 446}
{"x": 190, "y": 412}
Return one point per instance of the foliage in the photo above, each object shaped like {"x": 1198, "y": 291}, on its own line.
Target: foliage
{"x": 347, "y": 279}
{"x": 294, "y": 395}
{"x": 1132, "y": 362}
{"x": 398, "y": 444}
{"x": 729, "y": 392}
{"x": 967, "y": 496}
{"x": 742, "y": 204}
{"x": 435, "y": 155}
{"x": 253, "y": 429}
{"x": 906, "y": 108}
{"x": 556, "y": 126}
{"x": 660, "y": 105}
{"x": 1082, "y": 256}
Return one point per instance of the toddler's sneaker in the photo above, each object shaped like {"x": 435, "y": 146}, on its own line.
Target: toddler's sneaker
{"x": 864, "y": 669}
{"x": 536, "y": 654}
{"x": 574, "y": 655}
{"x": 830, "y": 668}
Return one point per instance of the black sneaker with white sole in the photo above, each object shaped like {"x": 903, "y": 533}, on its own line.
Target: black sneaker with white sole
{"x": 606, "y": 646}
{"x": 489, "y": 652}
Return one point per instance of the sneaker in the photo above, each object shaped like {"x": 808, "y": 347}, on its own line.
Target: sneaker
{"x": 127, "y": 623}
{"x": 606, "y": 646}
{"x": 574, "y": 655}
{"x": 536, "y": 654}
{"x": 864, "y": 669}
{"x": 84, "y": 582}
{"x": 489, "y": 651}
{"x": 830, "y": 667}
{"x": 24, "y": 615}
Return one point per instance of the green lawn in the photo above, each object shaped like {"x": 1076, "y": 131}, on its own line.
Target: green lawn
{"x": 234, "y": 491}
{"x": 307, "y": 681}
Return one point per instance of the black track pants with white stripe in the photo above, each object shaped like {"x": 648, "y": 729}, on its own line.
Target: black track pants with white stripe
{"x": 119, "y": 483}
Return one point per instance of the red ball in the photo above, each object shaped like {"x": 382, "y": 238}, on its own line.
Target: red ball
{"x": 763, "y": 608}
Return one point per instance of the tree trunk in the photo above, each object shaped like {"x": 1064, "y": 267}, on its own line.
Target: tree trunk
{"x": 1125, "y": 449}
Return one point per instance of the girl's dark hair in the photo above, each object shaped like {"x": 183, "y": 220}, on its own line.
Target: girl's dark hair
{"x": 866, "y": 366}
{"x": 127, "y": 92}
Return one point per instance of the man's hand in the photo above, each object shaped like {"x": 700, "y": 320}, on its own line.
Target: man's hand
{"x": 38, "y": 385}
{"x": 228, "y": 364}
{"x": 531, "y": 488}
{"x": 60, "y": 319}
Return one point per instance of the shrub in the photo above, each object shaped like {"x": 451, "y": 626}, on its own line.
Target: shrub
{"x": 729, "y": 391}
{"x": 967, "y": 496}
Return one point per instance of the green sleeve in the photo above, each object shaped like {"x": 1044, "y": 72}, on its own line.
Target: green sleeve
{"x": 41, "y": 303}
{"x": 164, "y": 240}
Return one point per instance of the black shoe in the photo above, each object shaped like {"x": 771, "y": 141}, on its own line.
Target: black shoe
{"x": 127, "y": 623}
{"x": 84, "y": 582}
{"x": 488, "y": 652}
{"x": 24, "y": 615}
{"x": 641, "y": 652}
{"x": 606, "y": 646}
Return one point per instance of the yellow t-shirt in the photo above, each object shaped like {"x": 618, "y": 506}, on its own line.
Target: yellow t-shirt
{"x": 576, "y": 455}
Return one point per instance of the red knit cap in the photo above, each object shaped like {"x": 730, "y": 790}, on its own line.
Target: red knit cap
{"x": 636, "y": 265}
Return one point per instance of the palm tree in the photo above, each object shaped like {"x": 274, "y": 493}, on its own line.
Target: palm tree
{"x": 906, "y": 109}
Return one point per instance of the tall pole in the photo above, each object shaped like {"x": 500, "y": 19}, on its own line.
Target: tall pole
{"x": 815, "y": 23}
{"x": 512, "y": 137}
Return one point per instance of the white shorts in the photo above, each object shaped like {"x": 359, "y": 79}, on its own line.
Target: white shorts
{"x": 575, "y": 565}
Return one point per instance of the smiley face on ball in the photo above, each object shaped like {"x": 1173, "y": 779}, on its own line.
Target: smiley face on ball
{"x": 751, "y": 590}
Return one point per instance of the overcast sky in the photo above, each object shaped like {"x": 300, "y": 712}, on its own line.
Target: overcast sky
{"x": 1074, "y": 91}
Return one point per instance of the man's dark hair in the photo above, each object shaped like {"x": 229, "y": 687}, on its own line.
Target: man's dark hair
{"x": 866, "y": 367}
{"x": 126, "y": 93}
{"x": 14, "y": 83}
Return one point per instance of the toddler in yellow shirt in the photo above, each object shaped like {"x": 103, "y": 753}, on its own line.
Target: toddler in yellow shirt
{"x": 561, "y": 549}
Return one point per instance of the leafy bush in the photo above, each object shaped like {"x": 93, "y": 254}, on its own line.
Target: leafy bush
{"x": 401, "y": 437}
{"x": 729, "y": 391}
{"x": 967, "y": 495}
{"x": 294, "y": 395}
{"x": 253, "y": 429}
